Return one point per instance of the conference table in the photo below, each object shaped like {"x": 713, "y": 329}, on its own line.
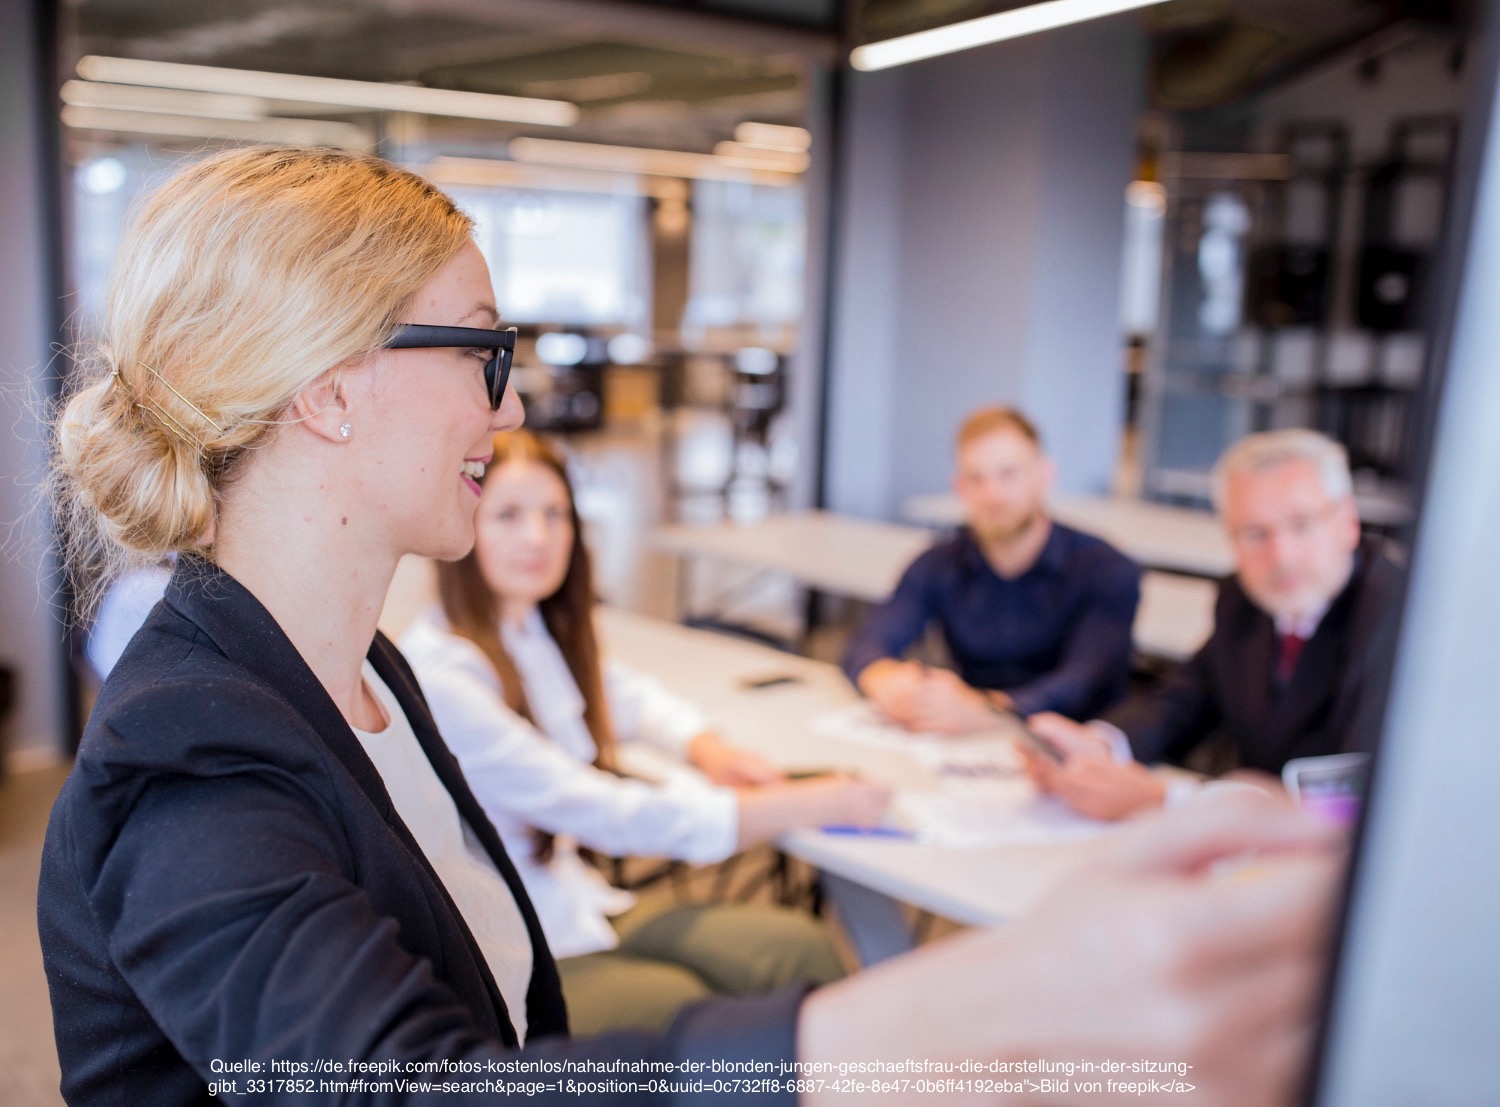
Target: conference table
{"x": 866, "y": 877}
{"x": 863, "y": 559}
{"x": 1158, "y": 536}
{"x": 780, "y": 705}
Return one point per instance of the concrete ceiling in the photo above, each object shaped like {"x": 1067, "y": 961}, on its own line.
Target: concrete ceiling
{"x": 680, "y": 75}
{"x": 676, "y": 72}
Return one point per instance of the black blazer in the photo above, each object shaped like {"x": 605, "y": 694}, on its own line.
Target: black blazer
{"x": 1329, "y": 705}
{"x": 225, "y": 880}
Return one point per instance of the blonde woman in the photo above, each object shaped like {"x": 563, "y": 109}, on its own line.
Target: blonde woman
{"x": 513, "y": 674}
{"x": 266, "y": 867}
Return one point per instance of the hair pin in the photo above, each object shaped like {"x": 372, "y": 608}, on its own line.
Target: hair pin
{"x": 196, "y": 409}
{"x": 173, "y": 425}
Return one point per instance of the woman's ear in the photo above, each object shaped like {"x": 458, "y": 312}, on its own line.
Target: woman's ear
{"x": 324, "y": 407}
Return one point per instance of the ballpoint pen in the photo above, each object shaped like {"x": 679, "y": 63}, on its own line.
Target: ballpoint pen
{"x": 869, "y": 832}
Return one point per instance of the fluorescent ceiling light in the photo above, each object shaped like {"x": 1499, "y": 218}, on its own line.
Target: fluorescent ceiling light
{"x": 359, "y": 95}
{"x": 300, "y": 132}
{"x": 490, "y": 173}
{"x": 762, "y": 157}
{"x": 986, "y": 29}
{"x": 635, "y": 159}
{"x": 89, "y": 94}
{"x": 773, "y": 136}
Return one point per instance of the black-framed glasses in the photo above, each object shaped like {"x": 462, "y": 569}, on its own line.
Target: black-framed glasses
{"x": 420, "y": 336}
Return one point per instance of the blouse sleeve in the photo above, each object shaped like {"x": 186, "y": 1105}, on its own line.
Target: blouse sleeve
{"x": 518, "y": 774}
{"x": 643, "y": 709}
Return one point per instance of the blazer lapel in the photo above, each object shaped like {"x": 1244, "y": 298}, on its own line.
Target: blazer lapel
{"x": 398, "y": 676}
{"x": 245, "y": 632}
{"x": 1254, "y": 690}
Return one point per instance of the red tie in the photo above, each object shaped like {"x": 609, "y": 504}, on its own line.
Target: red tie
{"x": 1286, "y": 661}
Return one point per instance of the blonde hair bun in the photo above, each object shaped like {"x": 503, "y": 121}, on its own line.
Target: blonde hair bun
{"x": 239, "y": 282}
{"x": 127, "y": 490}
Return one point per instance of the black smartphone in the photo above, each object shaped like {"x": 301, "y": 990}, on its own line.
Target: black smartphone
{"x": 1038, "y": 742}
{"x": 770, "y": 680}
{"x": 810, "y": 774}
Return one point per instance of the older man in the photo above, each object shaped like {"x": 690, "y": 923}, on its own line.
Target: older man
{"x": 1300, "y": 630}
{"x": 1036, "y": 616}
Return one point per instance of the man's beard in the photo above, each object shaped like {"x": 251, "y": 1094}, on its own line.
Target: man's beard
{"x": 1005, "y": 536}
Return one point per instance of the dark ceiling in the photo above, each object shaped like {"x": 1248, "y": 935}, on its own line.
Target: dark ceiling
{"x": 684, "y": 71}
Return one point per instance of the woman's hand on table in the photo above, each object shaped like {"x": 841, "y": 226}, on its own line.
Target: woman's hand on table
{"x": 729, "y": 766}
{"x": 834, "y": 800}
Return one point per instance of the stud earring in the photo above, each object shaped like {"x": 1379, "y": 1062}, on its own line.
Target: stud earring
{"x": 344, "y": 429}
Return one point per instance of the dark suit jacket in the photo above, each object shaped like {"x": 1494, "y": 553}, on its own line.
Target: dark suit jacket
{"x": 225, "y": 879}
{"x": 1330, "y": 705}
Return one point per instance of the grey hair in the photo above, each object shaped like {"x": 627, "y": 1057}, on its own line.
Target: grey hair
{"x": 1257, "y": 452}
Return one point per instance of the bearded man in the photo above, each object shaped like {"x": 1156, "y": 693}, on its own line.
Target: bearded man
{"x": 1036, "y": 616}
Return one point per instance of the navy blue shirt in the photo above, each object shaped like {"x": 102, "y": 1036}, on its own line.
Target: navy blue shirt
{"x": 1056, "y": 638}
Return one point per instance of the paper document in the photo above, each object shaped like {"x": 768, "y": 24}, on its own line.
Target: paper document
{"x": 975, "y": 793}
{"x": 968, "y": 814}
{"x": 991, "y": 753}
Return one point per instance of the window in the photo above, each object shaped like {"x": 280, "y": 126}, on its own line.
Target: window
{"x": 748, "y": 250}
{"x": 563, "y": 257}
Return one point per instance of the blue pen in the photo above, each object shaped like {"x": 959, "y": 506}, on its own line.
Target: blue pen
{"x": 870, "y": 832}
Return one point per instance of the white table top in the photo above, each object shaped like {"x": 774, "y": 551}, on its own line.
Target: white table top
{"x": 1173, "y": 539}
{"x": 975, "y": 886}
{"x": 863, "y": 560}
{"x": 1176, "y": 615}
{"x": 833, "y": 553}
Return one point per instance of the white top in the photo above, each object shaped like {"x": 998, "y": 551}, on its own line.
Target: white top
{"x": 477, "y": 888}
{"x": 542, "y": 775}
{"x": 124, "y": 608}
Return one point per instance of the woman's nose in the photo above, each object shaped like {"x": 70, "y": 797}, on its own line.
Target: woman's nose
{"x": 510, "y": 414}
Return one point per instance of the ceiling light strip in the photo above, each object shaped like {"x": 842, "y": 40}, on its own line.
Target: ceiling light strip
{"x": 308, "y": 132}
{"x": 773, "y": 136}
{"x": 331, "y": 91}
{"x": 636, "y": 159}
{"x": 762, "y": 157}
{"x": 488, "y": 173}
{"x": 89, "y": 94}
{"x": 985, "y": 30}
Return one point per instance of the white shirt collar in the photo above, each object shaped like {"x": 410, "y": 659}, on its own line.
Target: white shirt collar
{"x": 1303, "y": 626}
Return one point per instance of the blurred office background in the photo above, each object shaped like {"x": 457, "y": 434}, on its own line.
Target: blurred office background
{"x": 750, "y": 279}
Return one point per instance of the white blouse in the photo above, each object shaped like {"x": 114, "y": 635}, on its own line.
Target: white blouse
{"x": 477, "y": 888}
{"x": 542, "y": 775}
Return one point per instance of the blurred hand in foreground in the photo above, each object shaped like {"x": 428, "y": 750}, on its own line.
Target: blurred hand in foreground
{"x": 1199, "y": 935}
